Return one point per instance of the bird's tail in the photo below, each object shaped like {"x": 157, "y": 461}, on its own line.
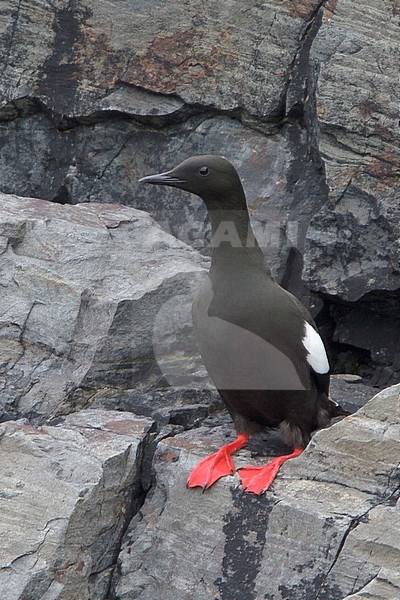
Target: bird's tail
{"x": 336, "y": 410}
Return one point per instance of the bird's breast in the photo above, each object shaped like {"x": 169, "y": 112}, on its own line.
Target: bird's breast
{"x": 236, "y": 357}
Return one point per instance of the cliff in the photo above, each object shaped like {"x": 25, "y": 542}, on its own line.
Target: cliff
{"x": 104, "y": 401}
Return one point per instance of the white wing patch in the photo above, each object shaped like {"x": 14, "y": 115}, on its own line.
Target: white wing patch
{"x": 316, "y": 357}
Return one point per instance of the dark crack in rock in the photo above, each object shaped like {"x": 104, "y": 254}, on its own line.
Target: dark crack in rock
{"x": 245, "y": 529}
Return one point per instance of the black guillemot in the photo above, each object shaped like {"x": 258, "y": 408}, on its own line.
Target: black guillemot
{"x": 258, "y": 342}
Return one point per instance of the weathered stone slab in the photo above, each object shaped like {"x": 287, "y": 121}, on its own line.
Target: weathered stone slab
{"x": 371, "y": 554}
{"x": 87, "y": 107}
{"x": 385, "y": 585}
{"x": 308, "y": 537}
{"x": 362, "y": 450}
{"x": 354, "y": 239}
{"x": 89, "y": 51}
{"x": 66, "y": 493}
{"x": 90, "y": 296}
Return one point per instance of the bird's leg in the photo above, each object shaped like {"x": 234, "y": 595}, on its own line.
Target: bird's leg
{"x": 217, "y": 465}
{"x": 258, "y": 479}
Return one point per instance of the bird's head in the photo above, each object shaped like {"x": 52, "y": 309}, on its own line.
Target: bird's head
{"x": 213, "y": 178}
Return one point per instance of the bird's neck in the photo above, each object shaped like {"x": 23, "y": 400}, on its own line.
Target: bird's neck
{"x": 233, "y": 243}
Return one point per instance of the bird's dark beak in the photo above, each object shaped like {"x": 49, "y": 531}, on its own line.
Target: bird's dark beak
{"x": 167, "y": 178}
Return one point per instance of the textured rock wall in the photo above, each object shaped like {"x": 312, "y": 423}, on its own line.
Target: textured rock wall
{"x": 300, "y": 96}
{"x": 96, "y": 297}
{"x": 67, "y": 494}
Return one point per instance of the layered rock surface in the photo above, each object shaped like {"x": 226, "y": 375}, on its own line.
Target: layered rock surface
{"x": 96, "y": 312}
{"x": 95, "y": 303}
{"x": 96, "y": 297}
{"x": 328, "y": 528}
{"x": 67, "y": 493}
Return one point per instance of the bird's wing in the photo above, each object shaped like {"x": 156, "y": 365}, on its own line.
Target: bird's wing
{"x": 317, "y": 358}
{"x": 260, "y": 330}
{"x": 316, "y": 353}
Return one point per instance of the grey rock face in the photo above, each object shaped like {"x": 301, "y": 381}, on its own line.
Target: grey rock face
{"x": 355, "y": 235}
{"x": 319, "y": 532}
{"x": 177, "y": 48}
{"x": 66, "y": 494}
{"x": 95, "y": 296}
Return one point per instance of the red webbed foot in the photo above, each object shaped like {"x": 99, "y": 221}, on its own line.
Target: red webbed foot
{"x": 258, "y": 479}
{"x": 217, "y": 465}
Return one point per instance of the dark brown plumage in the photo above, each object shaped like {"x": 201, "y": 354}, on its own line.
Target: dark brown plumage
{"x": 258, "y": 342}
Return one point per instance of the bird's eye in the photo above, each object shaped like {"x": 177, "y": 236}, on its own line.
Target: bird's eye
{"x": 203, "y": 171}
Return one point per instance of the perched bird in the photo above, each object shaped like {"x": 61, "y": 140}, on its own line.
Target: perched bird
{"x": 259, "y": 344}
